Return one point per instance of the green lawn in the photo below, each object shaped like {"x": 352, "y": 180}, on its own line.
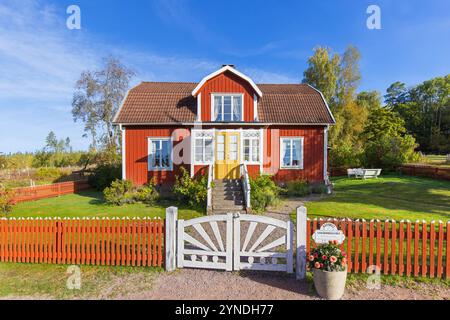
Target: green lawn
{"x": 91, "y": 203}
{"x": 388, "y": 197}
{"x": 42, "y": 281}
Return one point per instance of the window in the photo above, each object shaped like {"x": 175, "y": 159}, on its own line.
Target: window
{"x": 203, "y": 149}
{"x": 251, "y": 147}
{"x": 227, "y": 108}
{"x": 291, "y": 153}
{"x": 159, "y": 154}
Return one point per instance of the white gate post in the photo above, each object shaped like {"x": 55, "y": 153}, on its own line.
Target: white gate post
{"x": 300, "y": 268}
{"x": 171, "y": 238}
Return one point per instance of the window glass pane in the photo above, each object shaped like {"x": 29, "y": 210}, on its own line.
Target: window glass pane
{"x": 165, "y": 153}
{"x": 220, "y": 147}
{"x": 286, "y": 152}
{"x": 217, "y": 108}
{"x": 296, "y": 152}
{"x": 156, "y": 154}
{"x": 208, "y": 150}
{"x": 237, "y": 108}
{"x": 255, "y": 150}
{"x": 246, "y": 150}
{"x": 227, "y": 108}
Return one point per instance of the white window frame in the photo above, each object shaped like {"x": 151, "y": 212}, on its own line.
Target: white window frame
{"x": 227, "y": 95}
{"x": 150, "y": 166}
{"x": 203, "y": 161}
{"x": 257, "y": 138}
{"x": 300, "y": 166}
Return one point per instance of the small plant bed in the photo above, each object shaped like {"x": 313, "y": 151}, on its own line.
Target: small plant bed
{"x": 93, "y": 204}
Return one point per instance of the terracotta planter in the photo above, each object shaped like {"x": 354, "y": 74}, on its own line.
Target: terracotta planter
{"x": 330, "y": 284}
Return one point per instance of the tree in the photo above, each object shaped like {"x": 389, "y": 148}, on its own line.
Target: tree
{"x": 51, "y": 142}
{"x": 322, "y": 72}
{"x": 97, "y": 98}
{"x": 396, "y": 94}
{"x": 386, "y": 143}
{"x": 67, "y": 146}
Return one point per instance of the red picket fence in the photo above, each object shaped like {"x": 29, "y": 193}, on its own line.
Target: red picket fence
{"x": 398, "y": 248}
{"x": 49, "y": 191}
{"x": 115, "y": 242}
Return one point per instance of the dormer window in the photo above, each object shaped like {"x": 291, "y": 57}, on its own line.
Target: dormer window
{"x": 227, "y": 107}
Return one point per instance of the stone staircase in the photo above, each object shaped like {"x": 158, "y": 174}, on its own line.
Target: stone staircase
{"x": 227, "y": 196}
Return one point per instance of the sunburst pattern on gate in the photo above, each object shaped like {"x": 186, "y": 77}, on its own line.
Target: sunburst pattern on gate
{"x": 201, "y": 244}
{"x": 266, "y": 245}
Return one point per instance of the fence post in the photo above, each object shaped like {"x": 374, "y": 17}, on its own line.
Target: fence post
{"x": 170, "y": 238}
{"x": 300, "y": 268}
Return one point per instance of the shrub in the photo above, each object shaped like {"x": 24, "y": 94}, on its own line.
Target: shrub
{"x": 103, "y": 175}
{"x": 327, "y": 257}
{"x": 50, "y": 173}
{"x": 298, "y": 188}
{"x": 120, "y": 192}
{"x": 147, "y": 194}
{"x": 194, "y": 191}
{"x": 264, "y": 192}
{"x": 6, "y": 199}
{"x": 319, "y": 188}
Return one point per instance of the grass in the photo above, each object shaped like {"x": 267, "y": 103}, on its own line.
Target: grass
{"x": 388, "y": 197}
{"x": 92, "y": 204}
{"x": 436, "y": 160}
{"x": 50, "y": 281}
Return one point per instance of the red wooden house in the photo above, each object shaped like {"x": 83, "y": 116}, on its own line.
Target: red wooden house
{"x": 224, "y": 122}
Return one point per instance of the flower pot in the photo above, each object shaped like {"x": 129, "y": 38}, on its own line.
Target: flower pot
{"x": 330, "y": 284}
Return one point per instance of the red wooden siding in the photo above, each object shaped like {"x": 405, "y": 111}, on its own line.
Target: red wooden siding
{"x": 227, "y": 82}
{"x": 136, "y": 153}
{"x": 312, "y": 153}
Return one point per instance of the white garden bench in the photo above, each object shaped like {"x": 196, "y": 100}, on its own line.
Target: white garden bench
{"x": 363, "y": 173}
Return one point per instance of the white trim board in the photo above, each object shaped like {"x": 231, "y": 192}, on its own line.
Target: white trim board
{"x": 222, "y": 70}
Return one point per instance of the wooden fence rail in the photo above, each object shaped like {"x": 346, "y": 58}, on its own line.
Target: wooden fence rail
{"x": 398, "y": 248}
{"x": 116, "y": 242}
{"x": 434, "y": 172}
{"x": 49, "y": 191}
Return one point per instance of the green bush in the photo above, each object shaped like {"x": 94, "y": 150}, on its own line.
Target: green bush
{"x": 103, "y": 175}
{"x": 264, "y": 192}
{"x": 298, "y": 188}
{"x": 193, "y": 191}
{"x": 120, "y": 192}
{"x": 319, "y": 188}
{"x": 50, "y": 173}
{"x": 147, "y": 194}
{"x": 6, "y": 199}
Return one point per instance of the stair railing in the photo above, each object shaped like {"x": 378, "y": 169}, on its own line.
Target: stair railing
{"x": 246, "y": 186}
{"x": 210, "y": 187}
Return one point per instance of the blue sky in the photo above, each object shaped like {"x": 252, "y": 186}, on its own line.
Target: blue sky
{"x": 180, "y": 40}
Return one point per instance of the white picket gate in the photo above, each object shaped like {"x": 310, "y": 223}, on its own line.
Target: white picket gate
{"x": 232, "y": 242}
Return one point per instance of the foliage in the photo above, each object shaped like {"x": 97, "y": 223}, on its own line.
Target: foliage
{"x": 50, "y": 173}
{"x": 298, "y": 188}
{"x": 264, "y": 193}
{"x": 194, "y": 191}
{"x": 147, "y": 194}
{"x": 386, "y": 144}
{"x": 327, "y": 257}
{"x": 319, "y": 188}
{"x": 6, "y": 199}
{"x": 104, "y": 174}
{"x": 97, "y": 99}
{"x": 119, "y": 193}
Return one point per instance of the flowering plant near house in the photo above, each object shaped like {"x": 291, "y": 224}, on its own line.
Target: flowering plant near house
{"x": 327, "y": 257}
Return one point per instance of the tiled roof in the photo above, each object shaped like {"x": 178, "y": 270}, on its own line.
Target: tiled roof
{"x": 172, "y": 102}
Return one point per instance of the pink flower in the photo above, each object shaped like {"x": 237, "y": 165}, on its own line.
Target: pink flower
{"x": 311, "y": 258}
{"x": 324, "y": 257}
{"x": 317, "y": 265}
{"x": 321, "y": 265}
{"x": 333, "y": 259}
{"x": 315, "y": 255}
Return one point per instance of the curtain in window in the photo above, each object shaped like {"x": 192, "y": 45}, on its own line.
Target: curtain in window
{"x": 296, "y": 152}
{"x": 217, "y": 108}
{"x": 286, "y": 152}
{"x": 237, "y": 108}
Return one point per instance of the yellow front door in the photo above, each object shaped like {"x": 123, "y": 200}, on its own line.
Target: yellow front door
{"x": 227, "y": 155}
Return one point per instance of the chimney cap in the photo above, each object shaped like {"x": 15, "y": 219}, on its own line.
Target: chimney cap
{"x": 229, "y": 65}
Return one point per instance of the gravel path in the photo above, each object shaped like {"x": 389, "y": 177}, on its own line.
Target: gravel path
{"x": 196, "y": 284}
